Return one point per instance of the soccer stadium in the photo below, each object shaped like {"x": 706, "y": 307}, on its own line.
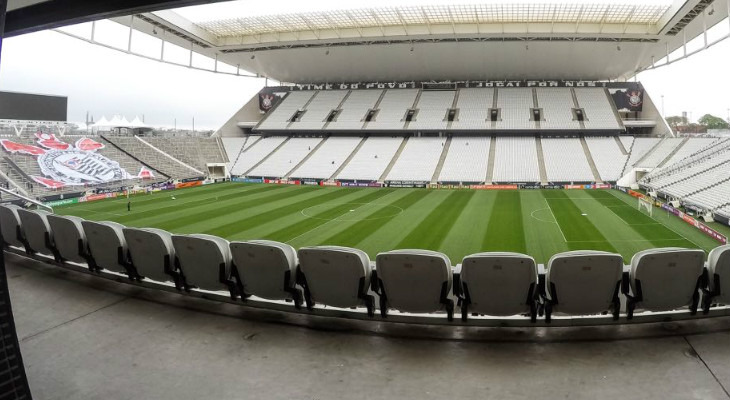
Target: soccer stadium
{"x": 484, "y": 193}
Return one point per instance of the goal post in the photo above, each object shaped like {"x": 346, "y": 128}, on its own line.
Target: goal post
{"x": 645, "y": 206}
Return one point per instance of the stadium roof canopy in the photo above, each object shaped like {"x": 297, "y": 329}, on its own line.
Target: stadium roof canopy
{"x": 401, "y": 40}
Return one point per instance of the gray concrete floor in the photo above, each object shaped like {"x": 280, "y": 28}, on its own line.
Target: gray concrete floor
{"x": 82, "y": 341}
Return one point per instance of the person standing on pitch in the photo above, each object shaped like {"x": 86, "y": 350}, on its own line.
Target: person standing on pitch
{"x": 129, "y": 206}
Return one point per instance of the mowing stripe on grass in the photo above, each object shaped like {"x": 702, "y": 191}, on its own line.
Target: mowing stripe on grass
{"x": 360, "y": 230}
{"x": 298, "y": 229}
{"x": 147, "y": 201}
{"x": 575, "y": 226}
{"x": 187, "y": 215}
{"x": 430, "y": 233}
{"x": 203, "y": 204}
{"x": 651, "y": 230}
{"x": 505, "y": 230}
{"x": 277, "y": 214}
{"x": 461, "y": 239}
{"x": 667, "y": 223}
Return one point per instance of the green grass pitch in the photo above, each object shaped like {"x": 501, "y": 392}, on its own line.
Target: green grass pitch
{"x": 457, "y": 222}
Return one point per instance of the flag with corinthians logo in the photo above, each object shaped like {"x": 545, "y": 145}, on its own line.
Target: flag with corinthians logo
{"x": 629, "y": 98}
{"x": 269, "y": 98}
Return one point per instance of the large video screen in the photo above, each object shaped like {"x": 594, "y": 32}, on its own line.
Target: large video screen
{"x": 33, "y": 107}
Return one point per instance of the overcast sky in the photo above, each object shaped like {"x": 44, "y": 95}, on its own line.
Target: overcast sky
{"x": 105, "y": 82}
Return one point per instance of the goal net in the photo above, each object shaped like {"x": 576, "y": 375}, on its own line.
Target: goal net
{"x": 645, "y": 206}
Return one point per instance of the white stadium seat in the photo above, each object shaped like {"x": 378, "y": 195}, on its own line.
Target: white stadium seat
{"x": 267, "y": 269}
{"x": 583, "y": 283}
{"x": 369, "y": 163}
{"x": 38, "y": 232}
{"x": 318, "y": 109}
{"x": 473, "y": 109}
{"x": 565, "y": 160}
{"x": 280, "y": 162}
{"x": 433, "y": 105}
{"x": 69, "y": 237}
{"x": 257, "y": 152}
{"x": 557, "y": 108}
{"x": 392, "y": 109}
{"x": 515, "y": 160}
{"x": 279, "y": 117}
{"x": 718, "y": 283}
{"x": 107, "y": 247}
{"x": 205, "y": 261}
{"x": 607, "y": 156}
{"x": 416, "y": 281}
{"x": 328, "y": 158}
{"x": 467, "y": 160}
{"x": 354, "y": 109}
{"x": 665, "y": 279}
{"x": 336, "y": 276}
{"x": 418, "y": 160}
{"x": 152, "y": 254}
{"x": 515, "y": 105}
{"x": 10, "y": 226}
{"x": 498, "y": 284}
{"x": 599, "y": 113}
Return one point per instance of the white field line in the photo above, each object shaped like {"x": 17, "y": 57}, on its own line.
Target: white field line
{"x": 556, "y": 220}
{"x": 668, "y": 227}
{"x": 623, "y": 240}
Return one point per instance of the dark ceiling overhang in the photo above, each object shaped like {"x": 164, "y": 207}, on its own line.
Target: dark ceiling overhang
{"x": 57, "y": 13}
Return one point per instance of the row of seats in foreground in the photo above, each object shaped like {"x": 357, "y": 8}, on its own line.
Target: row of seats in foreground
{"x": 413, "y": 281}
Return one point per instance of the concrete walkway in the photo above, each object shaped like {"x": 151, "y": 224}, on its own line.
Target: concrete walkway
{"x": 87, "y": 338}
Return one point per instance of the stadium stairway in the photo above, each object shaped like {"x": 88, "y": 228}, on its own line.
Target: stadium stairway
{"x": 375, "y": 107}
{"x": 244, "y": 149}
{"x": 454, "y": 106}
{"x": 648, "y": 153}
{"x": 13, "y": 183}
{"x": 267, "y": 156}
{"x": 232, "y": 160}
{"x": 392, "y": 161}
{"x": 338, "y": 109}
{"x": 440, "y": 165}
{"x": 536, "y": 105}
{"x": 300, "y": 163}
{"x": 15, "y": 173}
{"x": 115, "y": 145}
{"x": 349, "y": 158}
{"x": 170, "y": 157}
{"x": 621, "y": 146}
{"x": 222, "y": 149}
{"x": 541, "y": 161}
{"x": 670, "y": 155}
{"x": 591, "y": 163}
{"x": 304, "y": 107}
{"x": 490, "y": 162}
{"x": 413, "y": 107}
{"x": 577, "y": 106}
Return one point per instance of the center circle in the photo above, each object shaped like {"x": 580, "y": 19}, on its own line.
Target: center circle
{"x": 352, "y": 208}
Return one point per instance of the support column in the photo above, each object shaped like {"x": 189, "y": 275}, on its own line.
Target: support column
{"x": 12, "y": 371}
